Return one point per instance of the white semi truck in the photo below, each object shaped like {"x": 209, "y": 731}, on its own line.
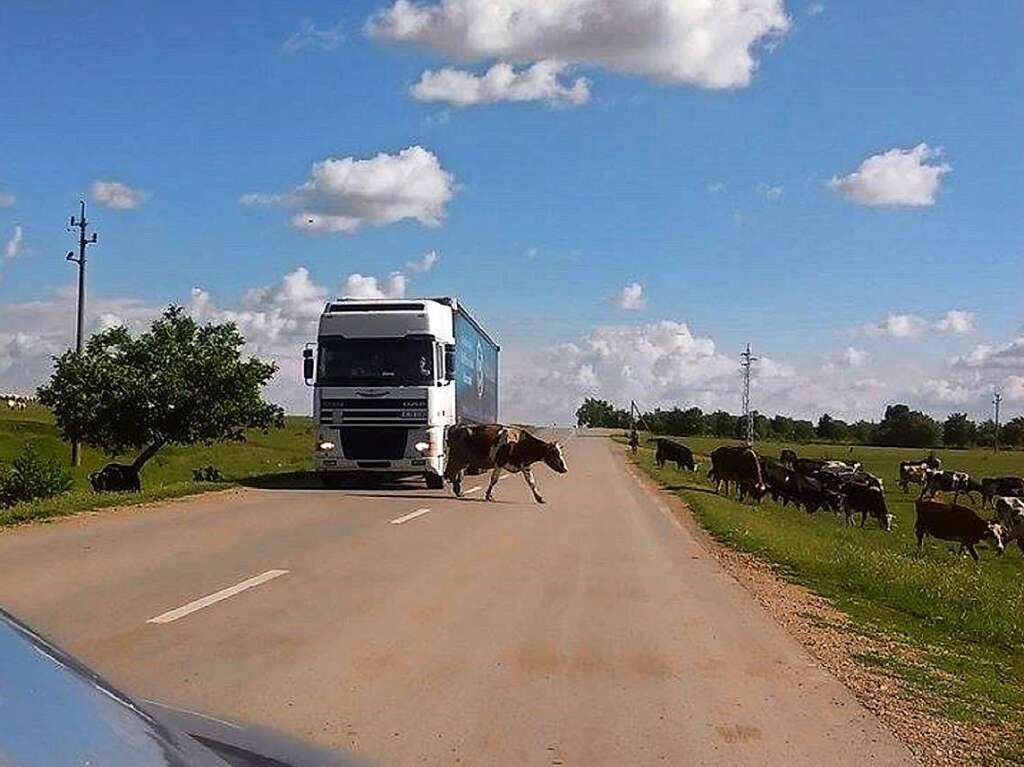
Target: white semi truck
{"x": 389, "y": 377}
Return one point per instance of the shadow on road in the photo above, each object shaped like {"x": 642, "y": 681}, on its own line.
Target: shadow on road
{"x": 307, "y": 480}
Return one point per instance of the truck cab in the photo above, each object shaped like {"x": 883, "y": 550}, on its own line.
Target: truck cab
{"x": 389, "y": 378}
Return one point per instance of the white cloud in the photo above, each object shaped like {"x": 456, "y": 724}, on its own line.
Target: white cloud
{"x": 308, "y": 36}
{"x": 1008, "y": 357}
{"x": 845, "y": 358}
{"x": 344, "y": 194}
{"x": 695, "y": 42}
{"x": 117, "y": 195}
{"x": 815, "y": 9}
{"x": 956, "y": 321}
{"x": 360, "y": 286}
{"x": 538, "y": 82}
{"x": 768, "y": 191}
{"x": 953, "y": 322}
{"x": 945, "y": 392}
{"x": 6, "y": 199}
{"x": 424, "y": 264}
{"x": 899, "y": 177}
{"x": 631, "y": 297}
{"x": 15, "y": 244}
{"x": 716, "y": 187}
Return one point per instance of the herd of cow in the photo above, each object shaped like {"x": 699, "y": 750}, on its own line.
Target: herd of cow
{"x": 844, "y": 487}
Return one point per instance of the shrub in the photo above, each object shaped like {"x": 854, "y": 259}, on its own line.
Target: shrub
{"x": 31, "y": 476}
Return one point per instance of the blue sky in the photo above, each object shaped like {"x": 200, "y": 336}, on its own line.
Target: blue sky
{"x": 657, "y": 180}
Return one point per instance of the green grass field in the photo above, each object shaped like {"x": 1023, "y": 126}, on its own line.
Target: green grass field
{"x": 963, "y": 621}
{"x": 168, "y": 474}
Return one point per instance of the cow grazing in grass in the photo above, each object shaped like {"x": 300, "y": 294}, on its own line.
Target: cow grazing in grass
{"x": 474, "y": 448}
{"x": 1010, "y": 514}
{"x": 740, "y": 465}
{"x": 916, "y": 472}
{"x": 116, "y": 478}
{"x": 950, "y": 522}
{"x": 669, "y": 451}
{"x": 787, "y": 457}
{"x": 780, "y": 481}
{"x": 867, "y": 501}
{"x": 1004, "y": 486}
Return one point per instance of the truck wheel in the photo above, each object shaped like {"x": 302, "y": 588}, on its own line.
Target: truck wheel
{"x": 434, "y": 481}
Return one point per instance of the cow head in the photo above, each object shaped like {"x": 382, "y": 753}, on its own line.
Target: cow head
{"x": 998, "y": 532}
{"x": 555, "y": 458}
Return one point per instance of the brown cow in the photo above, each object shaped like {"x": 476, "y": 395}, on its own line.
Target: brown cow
{"x": 474, "y": 448}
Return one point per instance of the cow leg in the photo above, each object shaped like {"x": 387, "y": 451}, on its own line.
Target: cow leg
{"x": 528, "y": 476}
{"x": 920, "y": 536}
{"x": 457, "y": 483}
{"x": 863, "y": 518}
{"x": 495, "y": 476}
{"x": 971, "y": 551}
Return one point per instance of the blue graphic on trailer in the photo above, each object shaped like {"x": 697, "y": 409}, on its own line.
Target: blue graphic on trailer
{"x": 476, "y": 374}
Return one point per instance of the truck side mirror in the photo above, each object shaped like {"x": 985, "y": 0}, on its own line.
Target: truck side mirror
{"x": 449, "y": 362}
{"x": 307, "y": 365}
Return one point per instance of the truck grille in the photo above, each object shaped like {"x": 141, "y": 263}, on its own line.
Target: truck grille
{"x": 373, "y": 412}
{"x": 374, "y": 444}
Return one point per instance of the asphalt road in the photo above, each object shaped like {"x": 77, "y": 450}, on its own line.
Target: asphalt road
{"x": 590, "y": 631}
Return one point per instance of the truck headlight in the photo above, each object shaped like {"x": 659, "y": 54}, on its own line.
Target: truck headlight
{"x": 326, "y": 446}
{"x": 422, "y": 447}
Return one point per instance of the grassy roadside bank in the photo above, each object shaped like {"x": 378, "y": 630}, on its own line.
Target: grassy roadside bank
{"x": 167, "y": 475}
{"x": 960, "y": 624}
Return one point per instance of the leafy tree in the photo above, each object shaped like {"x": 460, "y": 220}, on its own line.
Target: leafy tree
{"x": 803, "y": 431}
{"x": 1012, "y": 433}
{"x": 862, "y": 432}
{"x": 959, "y": 430}
{"x": 178, "y": 383}
{"x": 986, "y": 432}
{"x": 781, "y": 428}
{"x": 599, "y": 413}
{"x": 902, "y": 426}
{"x": 721, "y": 424}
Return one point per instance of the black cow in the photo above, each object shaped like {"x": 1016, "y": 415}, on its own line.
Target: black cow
{"x": 950, "y": 522}
{"x": 738, "y": 464}
{"x": 1004, "y": 486}
{"x": 787, "y": 457}
{"x": 813, "y": 495}
{"x": 808, "y": 466}
{"x": 954, "y": 482}
{"x": 116, "y": 478}
{"x": 866, "y": 500}
{"x": 779, "y": 479}
{"x": 681, "y": 455}
{"x": 474, "y": 448}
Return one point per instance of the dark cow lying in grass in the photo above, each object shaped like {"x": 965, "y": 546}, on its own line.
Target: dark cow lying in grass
{"x": 116, "y": 478}
{"x": 472, "y": 449}
{"x": 681, "y": 455}
{"x": 950, "y": 522}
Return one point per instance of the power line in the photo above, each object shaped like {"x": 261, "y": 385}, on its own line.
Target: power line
{"x": 81, "y": 224}
{"x": 747, "y": 361}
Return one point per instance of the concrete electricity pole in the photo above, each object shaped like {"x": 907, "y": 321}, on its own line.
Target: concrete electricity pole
{"x": 997, "y": 399}
{"x": 81, "y": 225}
{"x": 746, "y": 363}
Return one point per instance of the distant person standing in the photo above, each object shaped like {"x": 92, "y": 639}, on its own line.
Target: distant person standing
{"x": 634, "y": 441}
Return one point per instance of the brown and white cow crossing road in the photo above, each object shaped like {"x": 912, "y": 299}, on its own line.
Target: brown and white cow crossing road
{"x": 485, "y": 634}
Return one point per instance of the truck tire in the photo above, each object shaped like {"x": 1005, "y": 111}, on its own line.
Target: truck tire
{"x": 434, "y": 481}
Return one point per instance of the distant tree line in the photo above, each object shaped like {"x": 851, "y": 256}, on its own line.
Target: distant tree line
{"x": 900, "y": 426}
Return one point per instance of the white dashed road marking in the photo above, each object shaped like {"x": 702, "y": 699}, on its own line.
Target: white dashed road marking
{"x": 407, "y": 517}
{"x": 217, "y": 596}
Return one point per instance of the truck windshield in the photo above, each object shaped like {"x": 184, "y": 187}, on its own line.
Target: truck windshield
{"x": 375, "y": 361}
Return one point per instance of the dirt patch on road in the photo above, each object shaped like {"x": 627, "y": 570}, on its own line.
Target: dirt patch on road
{"x": 841, "y": 647}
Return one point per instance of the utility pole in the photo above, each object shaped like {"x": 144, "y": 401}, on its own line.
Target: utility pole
{"x": 747, "y": 361}
{"x": 997, "y": 399}
{"x": 81, "y": 224}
